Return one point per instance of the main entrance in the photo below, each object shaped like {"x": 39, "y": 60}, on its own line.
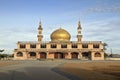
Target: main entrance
{"x": 32, "y": 54}
{"x": 74, "y": 55}
{"x": 58, "y": 55}
{"x": 42, "y": 55}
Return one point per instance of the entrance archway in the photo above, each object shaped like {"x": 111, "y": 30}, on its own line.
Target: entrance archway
{"x": 97, "y": 54}
{"x": 74, "y": 55}
{"x": 42, "y": 55}
{"x": 19, "y": 54}
{"x": 32, "y": 54}
{"x": 58, "y": 55}
{"x": 86, "y": 55}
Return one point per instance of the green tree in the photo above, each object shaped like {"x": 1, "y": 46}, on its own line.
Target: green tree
{"x": 1, "y": 56}
{"x": 105, "y": 55}
{"x": 105, "y": 45}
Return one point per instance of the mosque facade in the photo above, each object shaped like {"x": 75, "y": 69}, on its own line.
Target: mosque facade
{"x": 60, "y": 47}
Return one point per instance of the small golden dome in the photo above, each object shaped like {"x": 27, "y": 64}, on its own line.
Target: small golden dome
{"x": 60, "y": 35}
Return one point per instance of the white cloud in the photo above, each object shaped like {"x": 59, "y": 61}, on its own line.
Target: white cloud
{"x": 106, "y": 30}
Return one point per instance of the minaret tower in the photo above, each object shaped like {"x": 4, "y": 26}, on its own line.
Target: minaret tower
{"x": 79, "y": 36}
{"x": 40, "y": 36}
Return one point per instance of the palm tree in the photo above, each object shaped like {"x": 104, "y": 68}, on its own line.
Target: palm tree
{"x": 104, "y": 46}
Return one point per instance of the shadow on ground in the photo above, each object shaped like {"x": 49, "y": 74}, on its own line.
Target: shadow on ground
{"x": 68, "y": 75}
{"x": 32, "y": 73}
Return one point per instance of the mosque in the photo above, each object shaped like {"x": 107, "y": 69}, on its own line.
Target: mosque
{"x": 60, "y": 47}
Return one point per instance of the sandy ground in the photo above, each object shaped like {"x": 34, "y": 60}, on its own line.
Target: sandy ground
{"x": 104, "y": 70}
{"x": 30, "y": 70}
{"x": 6, "y": 63}
{"x": 85, "y": 70}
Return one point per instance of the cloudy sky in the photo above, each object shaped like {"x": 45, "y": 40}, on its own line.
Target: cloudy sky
{"x": 19, "y": 19}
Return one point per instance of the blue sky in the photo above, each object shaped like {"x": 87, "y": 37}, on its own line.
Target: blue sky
{"x": 19, "y": 19}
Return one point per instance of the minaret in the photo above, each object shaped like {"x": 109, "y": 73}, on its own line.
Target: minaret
{"x": 40, "y": 36}
{"x": 79, "y": 36}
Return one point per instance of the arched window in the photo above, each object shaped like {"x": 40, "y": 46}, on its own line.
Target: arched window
{"x": 74, "y": 55}
{"x": 95, "y": 45}
{"x": 74, "y": 45}
{"x": 32, "y": 45}
{"x": 97, "y": 54}
{"x": 53, "y": 46}
{"x": 43, "y": 45}
{"x": 63, "y": 45}
{"x": 22, "y": 46}
{"x": 32, "y": 54}
{"x": 19, "y": 54}
{"x": 84, "y": 45}
{"x": 43, "y": 55}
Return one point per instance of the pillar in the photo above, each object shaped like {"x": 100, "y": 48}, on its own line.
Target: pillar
{"x": 69, "y": 55}
{"x": 37, "y": 55}
{"x": 24, "y": 55}
{"x": 28, "y": 55}
{"x": 80, "y": 55}
{"x": 92, "y": 55}
{"x": 102, "y": 55}
{"x": 47, "y": 55}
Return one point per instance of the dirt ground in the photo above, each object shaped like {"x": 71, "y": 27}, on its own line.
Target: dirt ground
{"x": 6, "y": 63}
{"x": 87, "y": 70}
{"x": 105, "y": 70}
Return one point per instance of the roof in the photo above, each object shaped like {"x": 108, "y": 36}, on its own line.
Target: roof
{"x": 36, "y": 42}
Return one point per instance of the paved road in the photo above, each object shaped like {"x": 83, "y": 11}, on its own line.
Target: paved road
{"x": 31, "y": 70}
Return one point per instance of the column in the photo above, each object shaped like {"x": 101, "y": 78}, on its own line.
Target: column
{"x": 47, "y": 55}
{"x": 27, "y": 46}
{"x": 28, "y": 55}
{"x": 69, "y": 55}
{"x": 37, "y": 55}
{"x": 80, "y": 55}
{"x": 90, "y": 46}
{"x": 37, "y": 46}
{"x": 102, "y": 55}
{"x": 92, "y": 55}
{"x": 24, "y": 55}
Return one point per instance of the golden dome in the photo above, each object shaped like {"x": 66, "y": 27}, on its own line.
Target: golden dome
{"x": 60, "y": 35}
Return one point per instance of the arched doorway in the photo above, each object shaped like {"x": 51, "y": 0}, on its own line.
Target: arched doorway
{"x": 42, "y": 55}
{"x": 19, "y": 54}
{"x": 97, "y": 54}
{"x": 86, "y": 55}
{"x": 32, "y": 54}
{"x": 58, "y": 55}
{"x": 74, "y": 55}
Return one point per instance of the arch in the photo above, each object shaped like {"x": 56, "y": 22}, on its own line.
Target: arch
{"x": 43, "y": 55}
{"x": 97, "y": 54}
{"x": 74, "y": 55}
{"x": 86, "y": 55}
{"x": 32, "y": 54}
{"x": 19, "y": 54}
{"x": 59, "y": 55}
